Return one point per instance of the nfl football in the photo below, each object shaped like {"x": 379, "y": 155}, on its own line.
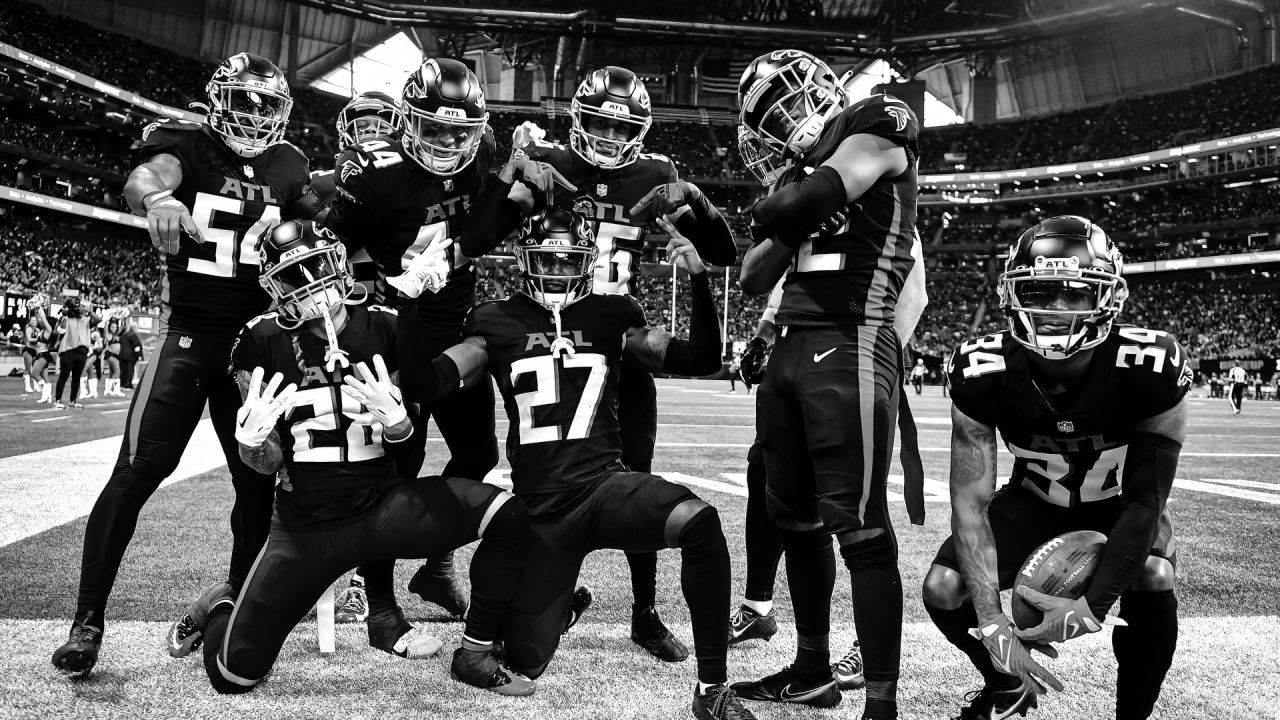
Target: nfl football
{"x": 1061, "y": 567}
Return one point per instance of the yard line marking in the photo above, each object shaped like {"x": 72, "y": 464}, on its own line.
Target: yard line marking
{"x": 112, "y": 412}
{"x": 50, "y": 419}
{"x": 1269, "y": 498}
{"x": 1244, "y": 483}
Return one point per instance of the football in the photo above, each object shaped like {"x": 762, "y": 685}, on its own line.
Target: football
{"x": 1061, "y": 567}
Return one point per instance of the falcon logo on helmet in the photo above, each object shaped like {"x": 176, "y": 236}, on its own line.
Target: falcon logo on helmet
{"x": 610, "y": 96}
{"x": 306, "y": 274}
{"x": 444, "y": 116}
{"x": 786, "y": 97}
{"x": 367, "y": 116}
{"x": 1062, "y": 287}
{"x": 556, "y": 253}
{"x": 249, "y": 104}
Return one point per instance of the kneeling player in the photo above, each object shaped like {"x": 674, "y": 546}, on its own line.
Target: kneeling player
{"x": 1095, "y": 420}
{"x": 337, "y": 431}
{"x": 556, "y": 351}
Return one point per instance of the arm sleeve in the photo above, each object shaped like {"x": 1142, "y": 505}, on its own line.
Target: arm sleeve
{"x": 1148, "y": 479}
{"x": 492, "y": 217}
{"x": 245, "y": 354}
{"x": 799, "y": 207}
{"x": 709, "y": 232}
{"x": 700, "y": 354}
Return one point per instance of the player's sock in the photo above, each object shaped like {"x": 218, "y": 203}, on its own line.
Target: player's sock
{"x": 496, "y": 569}
{"x": 811, "y": 575}
{"x": 764, "y": 545}
{"x": 877, "y": 615}
{"x": 644, "y": 578}
{"x": 760, "y": 607}
{"x": 1144, "y": 650}
{"x": 704, "y": 579}
{"x": 27, "y": 384}
{"x": 379, "y": 586}
{"x": 955, "y": 625}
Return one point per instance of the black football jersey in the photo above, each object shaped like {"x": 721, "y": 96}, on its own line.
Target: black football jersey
{"x": 390, "y": 206}
{"x": 366, "y": 272}
{"x": 611, "y": 193}
{"x": 334, "y": 457}
{"x": 854, "y": 276}
{"x": 1070, "y": 450}
{"x": 212, "y": 287}
{"x": 562, "y": 412}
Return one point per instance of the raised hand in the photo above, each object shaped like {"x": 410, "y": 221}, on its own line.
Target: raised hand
{"x": 376, "y": 391}
{"x": 262, "y": 408}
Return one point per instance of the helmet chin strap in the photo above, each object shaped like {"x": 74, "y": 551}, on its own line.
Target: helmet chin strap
{"x": 562, "y": 344}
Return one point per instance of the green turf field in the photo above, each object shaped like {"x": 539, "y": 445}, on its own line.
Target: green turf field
{"x": 53, "y": 463}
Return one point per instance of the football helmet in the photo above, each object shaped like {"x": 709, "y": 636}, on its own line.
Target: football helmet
{"x": 444, "y": 115}
{"x": 611, "y": 94}
{"x": 556, "y": 253}
{"x": 1062, "y": 287}
{"x": 306, "y": 274}
{"x": 786, "y": 97}
{"x": 249, "y": 103}
{"x": 767, "y": 165}
{"x": 367, "y": 116}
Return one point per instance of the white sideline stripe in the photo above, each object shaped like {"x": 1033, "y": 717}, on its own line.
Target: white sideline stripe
{"x": 1245, "y": 483}
{"x": 51, "y": 419}
{"x": 112, "y": 412}
{"x": 1228, "y": 491}
{"x": 61, "y": 484}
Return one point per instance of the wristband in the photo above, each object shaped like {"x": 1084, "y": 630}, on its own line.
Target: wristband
{"x": 154, "y": 197}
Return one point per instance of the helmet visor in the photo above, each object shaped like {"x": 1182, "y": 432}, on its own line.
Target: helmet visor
{"x": 311, "y": 284}
{"x": 251, "y": 115}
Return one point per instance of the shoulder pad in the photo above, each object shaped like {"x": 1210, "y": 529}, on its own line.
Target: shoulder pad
{"x": 383, "y": 309}
{"x": 168, "y": 123}
{"x": 882, "y": 115}
{"x": 656, "y": 157}
{"x": 978, "y": 356}
{"x": 286, "y": 145}
{"x": 265, "y": 316}
{"x": 1153, "y": 350}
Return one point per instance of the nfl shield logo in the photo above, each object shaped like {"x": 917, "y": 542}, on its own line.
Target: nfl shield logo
{"x": 602, "y": 189}
{"x": 248, "y": 171}
{"x": 1066, "y": 426}
{"x": 448, "y": 184}
{"x": 184, "y": 342}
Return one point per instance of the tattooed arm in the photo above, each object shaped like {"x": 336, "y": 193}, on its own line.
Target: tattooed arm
{"x": 266, "y": 458}
{"x": 973, "y": 480}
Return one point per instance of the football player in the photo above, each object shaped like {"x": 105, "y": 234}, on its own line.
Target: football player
{"x": 827, "y": 466}
{"x": 404, "y": 198}
{"x": 1095, "y": 417}
{"x": 556, "y": 351}
{"x": 208, "y": 190}
{"x": 623, "y": 189}
{"x": 339, "y": 429}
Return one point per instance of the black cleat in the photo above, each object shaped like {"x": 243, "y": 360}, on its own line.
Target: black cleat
{"x": 578, "y": 605}
{"x": 478, "y": 668}
{"x": 747, "y": 624}
{"x": 186, "y": 635}
{"x": 649, "y": 632}
{"x": 395, "y": 635}
{"x": 848, "y": 669}
{"x": 719, "y": 703}
{"x": 788, "y": 687}
{"x": 438, "y": 586}
{"x": 80, "y": 653}
{"x": 994, "y": 703}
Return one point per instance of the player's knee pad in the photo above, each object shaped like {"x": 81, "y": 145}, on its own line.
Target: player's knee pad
{"x": 943, "y": 588}
{"x": 861, "y": 552}
{"x": 1156, "y": 575}
{"x": 692, "y": 523}
{"x": 506, "y": 519}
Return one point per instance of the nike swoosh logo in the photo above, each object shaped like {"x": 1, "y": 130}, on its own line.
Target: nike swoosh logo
{"x": 817, "y": 357}
{"x": 1005, "y": 647}
{"x": 785, "y": 694}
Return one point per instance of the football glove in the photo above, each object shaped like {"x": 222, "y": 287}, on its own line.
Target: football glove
{"x": 377, "y": 392}
{"x": 663, "y": 200}
{"x": 753, "y": 362}
{"x": 262, "y": 407}
{"x": 1064, "y": 619}
{"x": 1011, "y": 655}
{"x": 429, "y": 270}
{"x": 833, "y": 224}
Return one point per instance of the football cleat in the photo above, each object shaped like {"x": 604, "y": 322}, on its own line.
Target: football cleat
{"x": 747, "y": 624}
{"x": 993, "y": 703}
{"x": 353, "y": 605}
{"x": 848, "y": 669}
{"x": 79, "y": 653}
{"x": 578, "y": 605}
{"x": 719, "y": 703}
{"x": 787, "y": 686}
{"x": 187, "y": 634}
{"x": 649, "y": 632}
{"x": 393, "y": 634}
{"x": 478, "y": 668}
{"x": 439, "y": 587}
{"x": 59, "y": 406}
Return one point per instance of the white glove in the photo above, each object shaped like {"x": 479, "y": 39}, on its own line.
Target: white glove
{"x": 257, "y": 416}
{"x": 429, "y": 270}
{"x": 377, "y": 393}
{"x": 525, "y": 133}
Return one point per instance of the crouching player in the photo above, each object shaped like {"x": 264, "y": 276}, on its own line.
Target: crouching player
{"x": 332, "y": 423}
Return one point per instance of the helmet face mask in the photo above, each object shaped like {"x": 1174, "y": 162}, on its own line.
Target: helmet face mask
{"x": 613, "y": 98}
{"x": 308, "y": 277}
{"x": 444, "y": 115}
{"x": 249, "y": 104}
{"x": 367, "y": 116}
{"x": 556, "y": 254}
{"x": 787, "y": 97}
{"x": 767, "y": 165}
{"x": 1062, "y": 287}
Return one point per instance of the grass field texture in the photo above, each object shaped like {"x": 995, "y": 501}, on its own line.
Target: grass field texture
{"x": 53, "y": 463}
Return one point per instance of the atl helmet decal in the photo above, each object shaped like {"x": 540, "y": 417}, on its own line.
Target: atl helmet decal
{"x": 1044, "y": 263}
{"x": 786, "y": 54}
{"x": 232, "y": 66}
{"x": 900, "y": 115}
{"x": 613, "y": 107}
